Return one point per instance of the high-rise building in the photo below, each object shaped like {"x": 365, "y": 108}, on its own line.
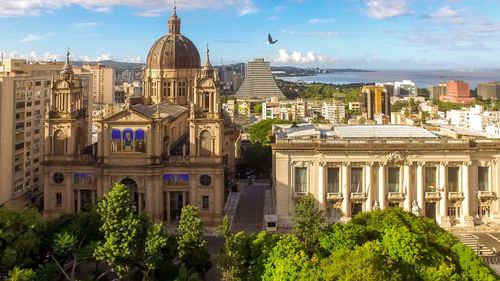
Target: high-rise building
{"x": 103, "y": 79}
{"x": 489, "y": 90}
{"x": 259, "y": 81}
{"x": 24, "y": 95}
{"x": 437, "y": 91}
{"x": 375, "y": 99}
{"x": 405, "y": 88}
{"x": 458, "y": 92}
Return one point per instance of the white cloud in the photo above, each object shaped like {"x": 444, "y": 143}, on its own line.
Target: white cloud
{"x": 382, "y": 9}
{"x": 132, "y": 58}
{"x": 285, "y": 56}
{"x": 105, "y": 56}
{"x": 35, "y": 37}
{"x": 313, "y": 33}
{"x": 321, "y": 21}
{"x": 448, "y": 14}
{"x": 83, "y": 25}
{"x": 13, "y": 8}
{"x": 33, "y": 56}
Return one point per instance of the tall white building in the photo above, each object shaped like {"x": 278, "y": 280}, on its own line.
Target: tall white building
{"x": 333, "y": 112}
{"x": 405, "y": 88}
{"x": 103, "y": 79}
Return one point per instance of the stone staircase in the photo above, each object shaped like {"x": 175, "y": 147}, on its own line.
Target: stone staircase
{"x": 472, "y": 241}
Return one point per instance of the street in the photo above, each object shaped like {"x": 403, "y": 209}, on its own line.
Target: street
{"x": 250, "y": 212}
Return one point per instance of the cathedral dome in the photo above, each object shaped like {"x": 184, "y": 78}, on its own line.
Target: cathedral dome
{"x": 173, "y": 51}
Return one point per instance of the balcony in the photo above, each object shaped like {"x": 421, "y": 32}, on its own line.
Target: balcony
{"x": 486, "y": 195}
{"x": 358, "y": 196}
{"x": 297, "y": 194}
{"x": 455, "y": 195}
{"x": 432, "y": 196}
{"x": 334, "y": 196}
{"x": 395, "y": 196}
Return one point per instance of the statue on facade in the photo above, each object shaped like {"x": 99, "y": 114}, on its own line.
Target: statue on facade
{"x": 414, "y": 208}
{"x": 376, "y": 206}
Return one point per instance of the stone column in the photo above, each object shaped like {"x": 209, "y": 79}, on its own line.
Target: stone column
{"x": 421, "y": 187}
{"x": 443, "y": 204}
{"x": 150, "y": 197}
{"x": 382, "y": 186}
{"x": 369, "y": 186}
{"x": 78, "y": 201}
{"x": 346, "y": 192}
{"x": 466, "y": 189}
{"x": 321, "y": 185}
{"x": 407, "y": 186}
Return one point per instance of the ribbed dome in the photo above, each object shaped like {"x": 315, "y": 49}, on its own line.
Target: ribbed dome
{"x": 173, "y": 51}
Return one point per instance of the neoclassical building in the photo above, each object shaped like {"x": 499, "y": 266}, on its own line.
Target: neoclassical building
{"x": 353, "y": 169}
{"x": 172, "y": 150}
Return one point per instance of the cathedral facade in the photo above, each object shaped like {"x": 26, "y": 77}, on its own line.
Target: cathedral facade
{"x": 173, "y": 149}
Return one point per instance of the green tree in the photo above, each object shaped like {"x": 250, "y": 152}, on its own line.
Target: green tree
{"x": 65, "y": 247}
{"x": 185, "y": 274}
{"x": 257, "y": 108}
{"x": 260, "y": 131}
{"x": 398, "y": 106}
{"x": 18, "y": 274}
{"x": 190, "y": 243}
{"x": 21, "y": 235}
{"x": 289, "y": 261}
{"x": 308, "y": 221}
{"x": 366, "y": 262}
{"x": 121, "y": 231}
{"x": 343, "y": 236}
{"x": 156, "y": 240}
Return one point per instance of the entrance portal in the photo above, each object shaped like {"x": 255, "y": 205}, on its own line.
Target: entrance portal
{"x": 430, "y": 210}
{"x": 176, "y": 204}
{"x": 134, "y": 195}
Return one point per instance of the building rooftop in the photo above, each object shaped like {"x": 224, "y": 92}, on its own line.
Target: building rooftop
{"x": 166, "y": 109}
{"x": 352, "y": 132}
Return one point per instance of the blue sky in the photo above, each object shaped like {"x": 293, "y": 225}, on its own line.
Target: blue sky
{"x": 371, "y": 34}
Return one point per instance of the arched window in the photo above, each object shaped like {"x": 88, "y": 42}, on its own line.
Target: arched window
{"x": 116, "y": 140}
{"x": 206, "y": 101}
{"x": 59, "y": 142}
{"x": 128, "y": 140}
{"x": 140, "y": 143}
{"x": 205, "y": 143}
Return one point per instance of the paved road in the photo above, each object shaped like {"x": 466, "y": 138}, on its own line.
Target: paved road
{"x": 250, "y": 212}
{"x": 214, "y": 244}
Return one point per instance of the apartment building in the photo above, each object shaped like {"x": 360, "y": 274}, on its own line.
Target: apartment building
{"x": 103, "y": 79}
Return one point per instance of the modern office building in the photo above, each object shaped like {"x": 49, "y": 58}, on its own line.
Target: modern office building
{"x": 489, "y": 90}
{"x": 103, "y": 79}
{"x": 458, "y": 92}
{"x": 259, "y": 82}
{"x": 405, "y": 88}
{"x": 353, "y": 169}
{"x": 437, "y": 91}
{"x": 375, "y": 99}
{"x": 172, "y": 150}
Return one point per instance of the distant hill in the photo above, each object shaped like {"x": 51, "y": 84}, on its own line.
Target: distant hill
{"x": 115, "y": 64}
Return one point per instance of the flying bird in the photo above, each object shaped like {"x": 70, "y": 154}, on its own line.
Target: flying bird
{"x": 270, "y": 39}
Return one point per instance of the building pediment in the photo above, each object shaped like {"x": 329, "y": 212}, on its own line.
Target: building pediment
{"x": 127, "y": 116}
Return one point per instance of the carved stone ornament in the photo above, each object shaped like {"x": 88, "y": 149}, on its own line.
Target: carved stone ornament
{"x": 414, "y": 208}
{"x": 467, "y": 163}
{"x": 346, "y": 164}
{"x": 421, "y": 163}
{"x": 443, "y": 163}
{"x": 376, "y": 206}
{"x": 395, "y": 157}
{"x": 301, "y": 163}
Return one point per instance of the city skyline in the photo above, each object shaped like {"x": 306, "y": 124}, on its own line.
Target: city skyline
{"x": 369, "y": 34}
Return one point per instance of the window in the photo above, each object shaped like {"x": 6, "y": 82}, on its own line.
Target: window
{"x": 205, "y": 180}
{"x": 454, "y": 212}
{"x": 430, "y": 179}
{"x": 453, "y": 173}
{"x": 356, "y": 179}
{"x": 394, "y": 179}
{"x": 58, "y": 178}
{"x": 58, "y": 200}
{"x": 206, "y": 143}
{"x": 59, "y": 142}
{"x": 482, "y": 178}
{"x": 205, "y": 202}
{"x": 333, "y": 180}
{"x": 300, "y": 179}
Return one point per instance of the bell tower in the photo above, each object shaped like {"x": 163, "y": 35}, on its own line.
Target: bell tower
{"x": 206, "y": 124}
{"x": 65, "y": 124}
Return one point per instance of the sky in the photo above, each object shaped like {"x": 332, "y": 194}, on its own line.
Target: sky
{"x": 367, "y": 34}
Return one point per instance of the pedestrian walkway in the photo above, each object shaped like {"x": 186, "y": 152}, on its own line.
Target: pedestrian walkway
{"x": 472, "y": 241}
{"x": 232, "y": 206}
